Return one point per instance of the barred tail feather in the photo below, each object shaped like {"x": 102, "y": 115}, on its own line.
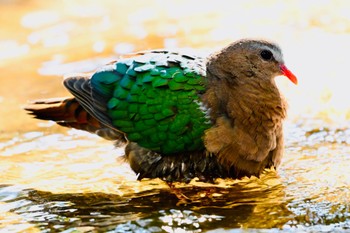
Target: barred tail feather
{"x": 69, "y": 113}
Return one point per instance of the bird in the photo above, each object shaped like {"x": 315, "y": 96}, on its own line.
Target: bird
{"x": 182, "y": 116}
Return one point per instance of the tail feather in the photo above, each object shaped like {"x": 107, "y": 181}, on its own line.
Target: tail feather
{"x": 69, "y": 113}
{"x": 57, "y": 109}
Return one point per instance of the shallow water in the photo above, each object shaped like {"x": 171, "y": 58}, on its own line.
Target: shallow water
{"x": 74, "y": 181}
{"x": 60, "y": 180}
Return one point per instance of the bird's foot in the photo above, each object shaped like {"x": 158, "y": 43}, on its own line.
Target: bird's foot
{"x": 178, "y": 193}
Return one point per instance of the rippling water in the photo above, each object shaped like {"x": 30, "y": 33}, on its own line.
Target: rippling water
{"x": 73, "y": 181}
{"x": 58, "y": 180}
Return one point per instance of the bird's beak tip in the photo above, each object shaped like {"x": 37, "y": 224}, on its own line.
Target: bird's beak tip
{"x": 286, "y": 72}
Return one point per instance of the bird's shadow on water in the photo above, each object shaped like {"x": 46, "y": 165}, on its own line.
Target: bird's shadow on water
{"x": 204, "y": 208}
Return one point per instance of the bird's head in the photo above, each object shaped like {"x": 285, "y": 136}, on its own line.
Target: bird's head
{"x": 246, "y": 60}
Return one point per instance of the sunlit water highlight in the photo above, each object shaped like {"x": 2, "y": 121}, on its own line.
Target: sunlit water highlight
{"x": 83, "y": 185}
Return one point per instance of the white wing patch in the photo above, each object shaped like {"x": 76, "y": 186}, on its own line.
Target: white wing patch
{"x": 205, "y": 110}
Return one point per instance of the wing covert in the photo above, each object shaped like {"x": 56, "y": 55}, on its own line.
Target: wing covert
{"x": 154, "y": 98}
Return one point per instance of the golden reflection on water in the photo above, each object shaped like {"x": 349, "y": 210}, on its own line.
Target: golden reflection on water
{"x": 42, "y": 40}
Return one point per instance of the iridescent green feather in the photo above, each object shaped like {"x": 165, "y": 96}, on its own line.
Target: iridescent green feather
{"x": 155, "y": 106}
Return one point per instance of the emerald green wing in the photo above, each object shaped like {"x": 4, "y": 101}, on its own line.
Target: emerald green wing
{"x": 154, "y": 98}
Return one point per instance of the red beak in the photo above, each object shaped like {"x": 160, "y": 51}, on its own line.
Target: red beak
{"x": 288, "y": 74}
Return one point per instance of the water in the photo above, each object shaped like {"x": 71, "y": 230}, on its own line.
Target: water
{"x": 74, "y": 181}
{"x": 61, "y": 180}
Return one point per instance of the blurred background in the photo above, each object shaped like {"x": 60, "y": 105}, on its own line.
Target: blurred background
{"x": 54, "y": 179}
{"x": 42, "y": 40}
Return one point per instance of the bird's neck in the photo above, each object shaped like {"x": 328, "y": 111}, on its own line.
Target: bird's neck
{"x": 260, "y": 100}
{"x": 247, "y": 102}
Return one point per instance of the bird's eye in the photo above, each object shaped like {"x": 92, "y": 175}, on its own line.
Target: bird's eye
{"x": 266, "y": 55}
